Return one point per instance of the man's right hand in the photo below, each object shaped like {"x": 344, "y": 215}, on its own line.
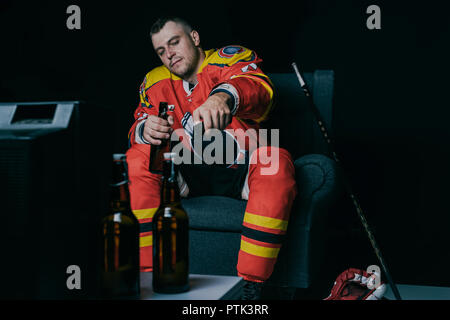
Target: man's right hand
{"x": 156, "y": 128}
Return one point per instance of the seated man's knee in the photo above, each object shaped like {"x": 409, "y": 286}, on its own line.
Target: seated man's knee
{"x": 270, "y": 160}
{"x": 138, "y": 160}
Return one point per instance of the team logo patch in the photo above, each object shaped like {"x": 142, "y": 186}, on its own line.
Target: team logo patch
{"x": 142, "y": 91}
{"x": 230, "y": 51}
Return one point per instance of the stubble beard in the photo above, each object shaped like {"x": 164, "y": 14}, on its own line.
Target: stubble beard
{"x": 191, "y": 67}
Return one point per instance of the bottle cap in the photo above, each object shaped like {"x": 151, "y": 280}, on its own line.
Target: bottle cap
{"x": 169, "y": 155}
{"x": 119, "y": 156}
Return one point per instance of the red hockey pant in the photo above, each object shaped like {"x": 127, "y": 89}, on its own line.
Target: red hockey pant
{"x": 269, "y": 187}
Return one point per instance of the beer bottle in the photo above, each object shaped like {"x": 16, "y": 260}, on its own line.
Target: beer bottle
{"x": 170, "y": 236}
{"x": 157, "y": 151}
{"x": 120, "y": 239}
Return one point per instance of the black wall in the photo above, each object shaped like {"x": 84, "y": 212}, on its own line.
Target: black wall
{"x": 391, "y": 104}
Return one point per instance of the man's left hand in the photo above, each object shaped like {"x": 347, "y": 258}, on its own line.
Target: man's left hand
{"x": 215, "y": 112}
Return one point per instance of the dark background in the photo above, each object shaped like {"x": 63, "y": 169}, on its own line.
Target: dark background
{"x": 391, "y": 107}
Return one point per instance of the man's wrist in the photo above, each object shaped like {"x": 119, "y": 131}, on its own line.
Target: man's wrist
{"x": 228, "y": 92}
{"x": 139, "y": 133}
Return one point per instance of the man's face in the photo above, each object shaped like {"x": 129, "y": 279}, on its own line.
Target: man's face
{"x": 178, "y": 51}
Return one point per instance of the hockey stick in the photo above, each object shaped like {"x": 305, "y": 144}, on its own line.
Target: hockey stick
{"x": 348, "y": 188}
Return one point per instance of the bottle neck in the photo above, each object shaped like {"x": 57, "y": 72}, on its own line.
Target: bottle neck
{"x": 170, "y": 193}
{"x": 120, "y": 196}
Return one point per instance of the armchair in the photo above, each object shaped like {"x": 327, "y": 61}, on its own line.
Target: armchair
{"x": 215, "y": 222}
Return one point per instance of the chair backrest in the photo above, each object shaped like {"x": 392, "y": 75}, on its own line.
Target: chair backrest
{"x": 299, "y": 132}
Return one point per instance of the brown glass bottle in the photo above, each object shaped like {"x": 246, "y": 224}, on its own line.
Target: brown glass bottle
{"x": 157, "y": 151}
{"x": 170, "y": 236}
{"x": 120, "y": 239}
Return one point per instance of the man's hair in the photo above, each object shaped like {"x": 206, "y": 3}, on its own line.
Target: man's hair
{"x": 161, "y": 22}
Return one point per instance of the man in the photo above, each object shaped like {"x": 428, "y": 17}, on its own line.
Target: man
{"x": 224, "y": 89}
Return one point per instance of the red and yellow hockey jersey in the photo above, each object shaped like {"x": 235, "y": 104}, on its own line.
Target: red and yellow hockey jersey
{"x": 233, "y": 69}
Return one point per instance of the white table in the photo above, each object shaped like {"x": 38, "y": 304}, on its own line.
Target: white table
{"x": 414, "y": 292}
{"x": 202, "y": 287}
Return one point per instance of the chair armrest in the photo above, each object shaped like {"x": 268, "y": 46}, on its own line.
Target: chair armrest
{"x": 317, "y": 182}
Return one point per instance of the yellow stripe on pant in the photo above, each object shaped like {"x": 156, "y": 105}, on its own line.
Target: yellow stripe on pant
{"x": 145, "y": 216}
{"x": 260, "y": 251}
{"x": 146, "y": 241}
{"x": 265, "y": 222}
{"x": 145, "y": 213}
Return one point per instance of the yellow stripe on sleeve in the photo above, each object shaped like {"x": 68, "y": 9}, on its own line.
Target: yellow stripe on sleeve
{"x": 269, "y": 90}
{"x": 259, "y": 251}
{"x": 145, "y": 213}
{"x": 265, "y": 222}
